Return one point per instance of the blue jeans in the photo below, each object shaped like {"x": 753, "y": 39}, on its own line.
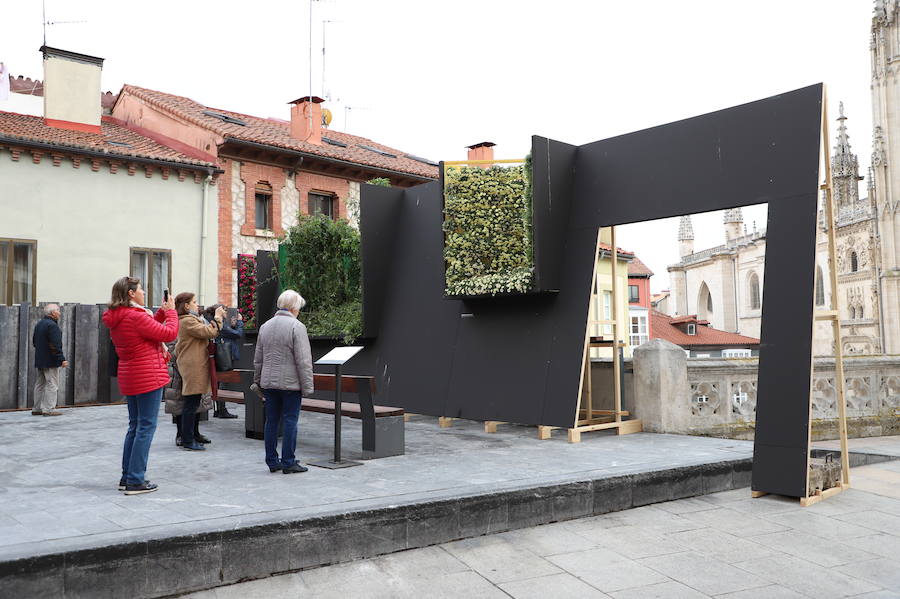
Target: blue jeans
{"x": 281, "y": 404}
{"x": 143, "y": 411}
{"x": 189, "y": 418}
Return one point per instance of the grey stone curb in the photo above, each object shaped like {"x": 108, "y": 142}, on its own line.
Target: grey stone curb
{"x": 193, "y": 562}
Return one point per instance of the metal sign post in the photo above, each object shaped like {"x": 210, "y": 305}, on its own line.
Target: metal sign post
{"x": 337, "y": 357}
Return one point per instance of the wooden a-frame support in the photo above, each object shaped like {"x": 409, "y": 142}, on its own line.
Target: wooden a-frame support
{"x": 833, "y": 316}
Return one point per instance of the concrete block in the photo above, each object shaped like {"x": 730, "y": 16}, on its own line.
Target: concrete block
{"x": 38, "y": 577}
{"x": 661, "y": 389}
{"x": 686, "y": 482}
{"x": 432, "y": 523}
{"x": 717, "y": 477}
{"x": 98, "y": 574}
{"x": 483, "y": 515}
{"x": 182, "y": 564}
{"x": 612, "y": 494}
{"x": 651, "y": 487}
{"x": 573, "y": 500}
{"x": 530, "y": 507}
{"x": 389, "y": 438}
{"x": 255, "y": 552}
{"x": 743, "y": 470}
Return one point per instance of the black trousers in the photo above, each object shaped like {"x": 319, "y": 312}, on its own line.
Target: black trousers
{"x": 187, "y": 422}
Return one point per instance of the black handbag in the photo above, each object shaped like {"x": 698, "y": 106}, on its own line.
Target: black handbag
{"x": 223, "y": 356}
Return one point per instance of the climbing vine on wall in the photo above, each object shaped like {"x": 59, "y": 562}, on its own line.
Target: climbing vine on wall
{"x": 488, "y": 230}
{"x": 320, "y": 259}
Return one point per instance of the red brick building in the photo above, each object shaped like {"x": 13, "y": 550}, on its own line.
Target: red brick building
{"x": 639, "y": 302}
{"x": 701, "y": 340}
{"x": 274, "y": 170}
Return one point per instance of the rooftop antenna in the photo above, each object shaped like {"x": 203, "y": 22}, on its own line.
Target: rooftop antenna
{"x": 45, "y": 22}
{"x": 325, "y": 94}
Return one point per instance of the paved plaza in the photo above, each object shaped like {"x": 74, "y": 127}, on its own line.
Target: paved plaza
{"x": 723, "y": 545}
{"x": 58, "y": 476}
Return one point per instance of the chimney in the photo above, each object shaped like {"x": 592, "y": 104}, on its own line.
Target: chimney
{"x": 482, "y": 151}
{"x": 71, "y": 90}
{"x": 306, "y": 119}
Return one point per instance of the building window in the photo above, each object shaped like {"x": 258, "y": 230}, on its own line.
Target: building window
{"x": 322, "y": 203}
{"x": 17, "y": 271}
{"x": 634, "y": 295}
{"x": 736, "y": 353}
{"x": 709, "y": 305}
{"x": 154, "y": 268}
{"x": 639, "y": 334}
{"x": 264, "y": 206}
{"x": 859, "y": 313}
{"x": 754, "y": 291}
{"x": 854, "y": 262}
{"x": 691, "y": 329}
{"x": 820, "y": 287}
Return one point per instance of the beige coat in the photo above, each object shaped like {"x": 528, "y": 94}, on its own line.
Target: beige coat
{"x": 192, "y": 354}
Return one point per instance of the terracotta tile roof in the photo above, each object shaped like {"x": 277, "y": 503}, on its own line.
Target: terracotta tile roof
{"x": 625, "y": 254}
{"x": 32, "y": 128}
{"x": 275, "y": 132}
{"x": 638, "y": 269}
{"x": 659, "y": 296}
{"x": 663, "y": 327}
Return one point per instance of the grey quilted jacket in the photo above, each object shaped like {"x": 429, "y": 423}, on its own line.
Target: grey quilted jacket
{"x": 283, "y": 359}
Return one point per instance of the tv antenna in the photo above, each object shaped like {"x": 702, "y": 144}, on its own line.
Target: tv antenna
{"x": 45, "y": 22}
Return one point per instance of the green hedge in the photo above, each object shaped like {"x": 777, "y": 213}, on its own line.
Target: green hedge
{"x": 487, "y": 230}
{"x": 319, "y": 257}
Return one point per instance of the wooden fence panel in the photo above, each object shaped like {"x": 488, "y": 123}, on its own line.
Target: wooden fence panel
{"x": 84, "y": 358}
{"x": 9, "y": 357}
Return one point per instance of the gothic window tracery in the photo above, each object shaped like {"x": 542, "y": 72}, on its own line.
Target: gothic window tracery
{"x": 820, "y": 287}
{"x": 754, "y": 291}
{"x": 854, "y": 262}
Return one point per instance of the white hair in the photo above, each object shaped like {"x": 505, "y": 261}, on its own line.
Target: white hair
{"x": 50, "y": 309}
{"x": 290, "y": 300}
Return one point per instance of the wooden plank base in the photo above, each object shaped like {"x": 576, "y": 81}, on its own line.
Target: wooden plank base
{"x": 813, "y": 499}
{"x": 544, "y": 432}
{"x": 445, "y": 422}
{"x": 490, "y": 426}
{"x": 624, "y": 427}
{"x": 755, "y": 494}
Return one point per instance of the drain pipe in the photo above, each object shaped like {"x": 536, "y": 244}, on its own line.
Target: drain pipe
{"x": 201, "y": 288}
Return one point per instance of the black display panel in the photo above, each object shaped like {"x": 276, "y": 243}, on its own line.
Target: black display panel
{"x": 518, "y": 359}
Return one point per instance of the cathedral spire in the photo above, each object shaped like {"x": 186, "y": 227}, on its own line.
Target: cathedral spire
{"x": 733, "y": 218}
{"x": 844, "y": 166}
{"x": 685, "y": 229}
{"x": 685, "y": 236}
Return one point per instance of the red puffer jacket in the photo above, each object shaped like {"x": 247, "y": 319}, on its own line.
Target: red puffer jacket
{"x": 138, "y": 339}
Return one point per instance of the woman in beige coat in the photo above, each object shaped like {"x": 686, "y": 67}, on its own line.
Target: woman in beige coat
{"x": 192, "y": 358}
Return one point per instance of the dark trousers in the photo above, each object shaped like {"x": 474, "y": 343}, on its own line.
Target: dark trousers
{"x": 189, "y": 424}
{"x": 281, "y": 405}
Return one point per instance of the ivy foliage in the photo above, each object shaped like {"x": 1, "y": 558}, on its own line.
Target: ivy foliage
{"x": 488, "y": 230}
{"x": 382, "y": 181}
{"x": 320, "y": 259}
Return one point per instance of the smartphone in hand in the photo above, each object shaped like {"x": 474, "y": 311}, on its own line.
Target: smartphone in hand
{"x": 166, "y": 295}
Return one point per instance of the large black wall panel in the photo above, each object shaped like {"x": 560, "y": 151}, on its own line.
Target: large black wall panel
{"x": 379, "y": 219}
{"x": 518, "y": 359}
{"x": 417, "y": 338}
{"x": 749, "y": 154}
{"x": 782, "y": 406}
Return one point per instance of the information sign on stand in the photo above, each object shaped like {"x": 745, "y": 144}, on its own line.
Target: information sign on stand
{"x": 337, "y": 357}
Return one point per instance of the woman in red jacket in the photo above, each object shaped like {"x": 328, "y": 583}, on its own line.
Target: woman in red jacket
{"x": 138, "y": 338}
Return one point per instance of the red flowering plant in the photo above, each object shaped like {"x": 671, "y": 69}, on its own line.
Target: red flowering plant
{"x": 246, "y": 279}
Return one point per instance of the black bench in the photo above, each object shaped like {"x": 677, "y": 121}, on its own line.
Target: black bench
{"x": 382, "y": 426}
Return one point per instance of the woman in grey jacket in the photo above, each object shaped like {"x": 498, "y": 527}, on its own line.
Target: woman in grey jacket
{"x": 282, "y": 367}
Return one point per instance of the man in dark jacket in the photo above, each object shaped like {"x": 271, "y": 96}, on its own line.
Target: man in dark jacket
{"x": 48, "y": 357}
{"x": 232, "y": 333}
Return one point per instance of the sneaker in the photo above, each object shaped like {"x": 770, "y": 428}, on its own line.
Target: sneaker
{"x": 36, "y": 413}
{"x": 54, "y": 413}
{"x": 144, "y": 487}
{"x": 178, "y": 440}
{"x": 294, "y": 468}
{"x": 224, "y": 414}
{"x": 193, "y": 446}
{"x": 274, "y": 468}
{"x": 203, "y": 439}
{"x": 122, "y": 484}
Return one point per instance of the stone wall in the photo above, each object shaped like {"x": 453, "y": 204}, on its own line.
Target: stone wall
{"x": 717, "y": 397}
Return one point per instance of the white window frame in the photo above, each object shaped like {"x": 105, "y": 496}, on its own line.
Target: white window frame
{"x": 691, "y": 329}
{"x": 737, "y": 353}
{"x": 642, "y": 334}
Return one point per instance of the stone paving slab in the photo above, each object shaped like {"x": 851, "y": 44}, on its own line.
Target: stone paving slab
{"x": 580, "y": 558}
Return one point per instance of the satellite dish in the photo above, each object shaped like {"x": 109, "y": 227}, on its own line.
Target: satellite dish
{"x": 326, "y": 117}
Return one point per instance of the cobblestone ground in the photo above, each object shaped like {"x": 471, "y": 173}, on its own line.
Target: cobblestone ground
{"x": 724, "y": 545}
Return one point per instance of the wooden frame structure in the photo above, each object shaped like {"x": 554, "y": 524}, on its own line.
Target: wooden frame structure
{"x": 833, "y": 316}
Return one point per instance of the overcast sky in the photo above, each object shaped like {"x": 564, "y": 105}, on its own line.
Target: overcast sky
{"x": 430, "y": 78}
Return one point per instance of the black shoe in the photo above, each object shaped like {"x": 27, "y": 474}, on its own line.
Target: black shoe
{"x": 193, "y": 446}
{"x": 274, "y": 468}
{"x": 144, "y": 487}
{"x": 293, "y": 468}
{"x": 224, "y": 414}
{"x": 178, "y": 440}
{"x": 202, "y": 439}
{"x": 122, "y": 484}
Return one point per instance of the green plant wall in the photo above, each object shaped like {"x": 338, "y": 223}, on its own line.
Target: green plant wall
{"x": 487, "y": 230}
{"x": 319, "y": 258}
